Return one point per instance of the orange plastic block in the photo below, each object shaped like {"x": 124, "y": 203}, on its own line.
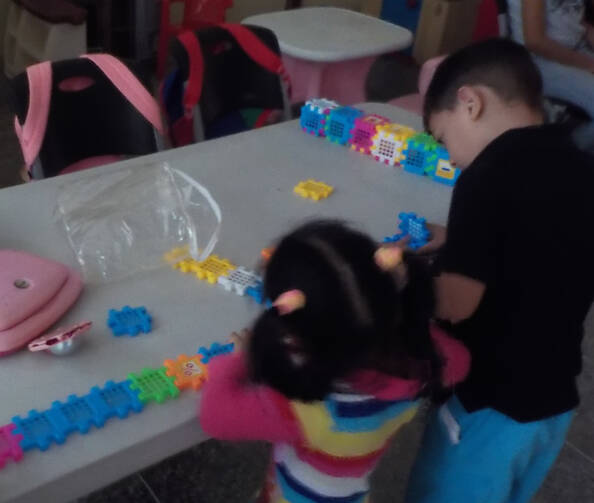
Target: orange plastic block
{"x": 189, "y": 372}
{"x": 266, "y": 253}
{"x": 212, "y": 268}
{"x": 313, "y": 189}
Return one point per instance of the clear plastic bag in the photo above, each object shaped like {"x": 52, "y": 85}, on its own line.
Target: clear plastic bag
{"x": 124, "y": 221}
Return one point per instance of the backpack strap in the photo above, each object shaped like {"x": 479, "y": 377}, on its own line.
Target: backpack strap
{"x": 31, "y": 133}
{"x": 196, "y": 70}
{"x": 127, "y": 84}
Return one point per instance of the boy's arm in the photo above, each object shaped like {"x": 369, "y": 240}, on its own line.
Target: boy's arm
{"x": 232, "y": 408}
{"x": 537, "y": 41}
{"x": 457, "y": 296}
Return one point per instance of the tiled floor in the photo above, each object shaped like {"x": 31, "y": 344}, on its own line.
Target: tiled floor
{"x": 216, "y": 472}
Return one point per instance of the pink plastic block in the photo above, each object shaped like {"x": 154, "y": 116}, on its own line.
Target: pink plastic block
{"x": 364, "y": 130}
{"x": 9, "y": 445}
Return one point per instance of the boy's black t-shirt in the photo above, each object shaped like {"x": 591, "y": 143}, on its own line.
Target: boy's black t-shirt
{"x": 522, "y": 222}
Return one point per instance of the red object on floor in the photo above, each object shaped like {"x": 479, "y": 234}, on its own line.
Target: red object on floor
{"x": 197, "y": 14}
{"x": 487, "y": 25}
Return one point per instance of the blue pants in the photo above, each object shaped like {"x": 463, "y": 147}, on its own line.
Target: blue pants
{"x": 497, "y": 459}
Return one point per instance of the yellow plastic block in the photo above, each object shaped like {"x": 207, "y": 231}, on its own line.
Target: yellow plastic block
{"x": 313, "y": 189}
{"x": 177, "y": 255}
{"x": 212, "y": 268}
{"x": 187, "y": 265}
{"x": 189, "y": 372}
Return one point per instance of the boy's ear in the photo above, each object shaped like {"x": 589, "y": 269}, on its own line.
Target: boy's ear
{"x": 471, "y": 101}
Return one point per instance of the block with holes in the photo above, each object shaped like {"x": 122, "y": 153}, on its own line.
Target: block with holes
{"x": 129, "y": 321}
{"x": 10, "y": 447}
{"x": 364, "y": 129}
{"x": 113, "y": 399}
{"x": 186, "y": 266}
{"x": 176, "y": 255}
{"x": 422, "y": 154}
{"x": 313, "y": 189}
{"x": 39, "y": 430}
{"x": 445, "y": 173}
{"x": 213, "y": 268}
{"x": 188, "y": 371}
{"x": 340, "y": 123}
{"x": 415, "y": 227}
{"x": 314, "y": 115}
{"x": 238, "y": 280}
{"x": 389, "y": 142}
{"x": 153, "y": 385}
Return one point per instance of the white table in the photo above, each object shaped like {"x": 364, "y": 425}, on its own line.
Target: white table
{"x": 252, "y": 176}
{"x": 328, "y": 51}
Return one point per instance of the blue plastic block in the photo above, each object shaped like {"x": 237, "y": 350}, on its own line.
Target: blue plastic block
{"x": 416, "y": 228}
{"x": 78, "y": 413}
{"x": 39, "y": 430}
{"x": 115, "y": 399}
{"x": 394, "y": 239}
{"x": 311, "y": 121}
{"x": 414, "y": 161}
{"x": 215, "y": 350}
{"x": 129, "y": 321}
{"x": 256, "y": 292}
{"x": 340, "y": 124}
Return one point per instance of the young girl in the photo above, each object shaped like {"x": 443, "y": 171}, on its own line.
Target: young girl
{"x": 335, "y": 367}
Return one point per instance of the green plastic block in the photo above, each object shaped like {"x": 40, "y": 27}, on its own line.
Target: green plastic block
{"x": 423, "y": 141}
{"x": 153, "y": 385}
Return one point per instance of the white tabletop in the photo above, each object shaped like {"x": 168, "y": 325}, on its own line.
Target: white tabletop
{"x": 252, "y": 176}
{"x": 329, "y": 34}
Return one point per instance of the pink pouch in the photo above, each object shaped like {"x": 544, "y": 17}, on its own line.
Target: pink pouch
{"x": 34, "y": 293}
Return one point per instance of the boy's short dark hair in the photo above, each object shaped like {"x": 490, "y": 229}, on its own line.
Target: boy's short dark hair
{"x": 498, "y": 63}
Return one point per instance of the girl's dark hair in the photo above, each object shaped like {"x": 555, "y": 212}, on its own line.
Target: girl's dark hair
{"x": 355, "y": 317}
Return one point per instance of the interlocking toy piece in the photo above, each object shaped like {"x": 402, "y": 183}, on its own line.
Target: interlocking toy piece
{"x": 313, "y": 189}
{"x": 188, "y": 372}
{"x": 10, "y": 445}
{"x": 422, "y": 154}
{"x": 364, "y": 129}
{"x": 176, "y": 255}
{"x": 445, "y": 173}
{"x": 40, "y": 430}
{"x": 129, "y": 321}
{"x": 153, "y": 385}
{"x": 215, "y": 350}
{"x": 239, "y": 280}
{"x": 340, "y": 123}
{"x": 266, "y": 253}
{"x": 314, "y": 115}
{"x": 389, "y": 143}
{"x": 212, "y": 268}
{"x": 414, "y": 227}
{"x": 256, "y": 292}
{"x": 114, "y": 399}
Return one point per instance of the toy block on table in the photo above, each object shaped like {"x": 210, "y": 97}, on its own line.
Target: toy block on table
{"x": 340, "y": 123}
{"x": 389, "y": 143}
{"x": 186, "y": 265}
{"x": 188, "y": 371}
{"x": 153, "y": 385}
{"x": 256, "y": 292}
{"x": 81, "y": 413}
{"x": 115, "y": 399}
{"x": 215, "y": 350}
{"x": 422, "y": 154}
{"x": 364, "y": 129}
{"x": 176, "y": 255}
{"x": 39, "y": 430}
{"x": 313, "y": 189}
{"x": 213, "y": 268}
{"x": 239, "y": 280}
{"x": 10, "y": 445}
{"x": 129, "y": 321}
{"x": 414, "y": 227}
{"x": 445, "y": 173}
{"x": 314, "y": 115}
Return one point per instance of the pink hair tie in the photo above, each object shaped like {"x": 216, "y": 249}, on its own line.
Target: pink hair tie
{"x": 289, "y": 301}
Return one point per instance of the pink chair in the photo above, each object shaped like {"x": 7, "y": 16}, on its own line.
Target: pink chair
{"x": 414, "y": 102}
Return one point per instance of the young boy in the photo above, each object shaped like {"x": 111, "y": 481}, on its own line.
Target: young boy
{"x": 517, "y": 279}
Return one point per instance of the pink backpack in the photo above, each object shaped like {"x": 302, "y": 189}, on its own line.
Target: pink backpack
{"x": 34, "y": 293}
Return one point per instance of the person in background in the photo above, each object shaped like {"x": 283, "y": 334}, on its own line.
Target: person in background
{"x": 561, "y": 38}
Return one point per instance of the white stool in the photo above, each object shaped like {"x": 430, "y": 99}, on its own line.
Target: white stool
{"x": 30, "y": 39}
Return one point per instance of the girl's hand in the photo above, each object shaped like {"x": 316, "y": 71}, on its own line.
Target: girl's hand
{"x": 240, "y": 339}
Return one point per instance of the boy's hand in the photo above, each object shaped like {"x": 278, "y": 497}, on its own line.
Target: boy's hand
{"x": 240, "y": 339}
{"x": 438, "y": 237}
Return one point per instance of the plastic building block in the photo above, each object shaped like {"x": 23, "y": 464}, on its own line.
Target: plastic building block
{"x": 445, "y": 173}
{"x": 212, "y": 268}
{"x": 239, "y": 280}
{"x": 153, "y": 385}
{"x": 215, "y": 350}
{"x": 313, "y": 189}
{"x": 340, "y": 123}
{"x": 266, "y": 253}
{"x": 188, "y": 372}
{"x": 389, "y": 143}
{"x": 423, "y": 154}
{"x": 187, "y": 265}
{"x": 129, "y": 321}
{"x": 10, "y": 445}
{"x": 411, "y": 226}
{"x": 40, "y": 430}
{"x": 364, "y": 129}
{"x": 114, "y": 399}
{"x": 256, "y": 292}
{"x": 314, "y": 115}
{"x": 177, "y": 255}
